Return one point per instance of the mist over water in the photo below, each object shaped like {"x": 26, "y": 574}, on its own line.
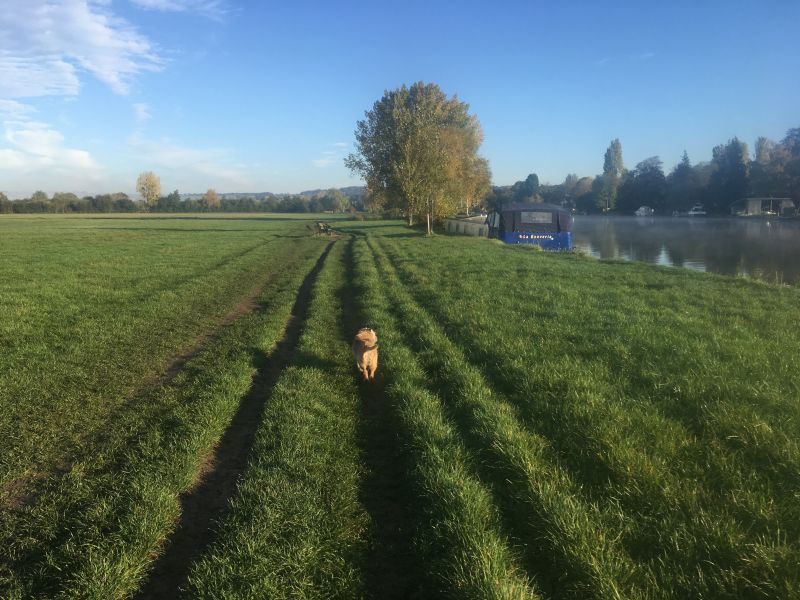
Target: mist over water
{"x": 766, "y": 249}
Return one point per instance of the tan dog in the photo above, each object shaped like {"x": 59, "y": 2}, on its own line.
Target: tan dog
{"x": 365, "y": 350}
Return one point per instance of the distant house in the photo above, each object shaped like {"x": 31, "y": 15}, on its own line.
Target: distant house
{"x": 755, "y": 207}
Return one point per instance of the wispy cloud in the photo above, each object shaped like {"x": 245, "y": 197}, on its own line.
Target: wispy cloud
{"x": 44, "y": 44}
{"x": 602, "y": 61}
{"x": 12, "y": 108}
{"x": 646, "y": 56}
{"x": 330, "y": 157}
{"x": 142, "y": 112}
{"x": 212, "y": 9}
{"x": 214, "y": 164}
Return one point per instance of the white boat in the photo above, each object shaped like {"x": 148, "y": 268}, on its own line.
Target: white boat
{"x": 698, "y": 210}
{"x": 644, "y": 211}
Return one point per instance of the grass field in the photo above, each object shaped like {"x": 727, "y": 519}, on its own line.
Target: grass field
{"x": 180, "y": 415}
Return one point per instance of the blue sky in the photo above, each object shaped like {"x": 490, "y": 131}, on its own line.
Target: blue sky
{"x": 264, "y": 96}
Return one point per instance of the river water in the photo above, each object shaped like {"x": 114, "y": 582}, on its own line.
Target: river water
{"x": 762, "y": 248}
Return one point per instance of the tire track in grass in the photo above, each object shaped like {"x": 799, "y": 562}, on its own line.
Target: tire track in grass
{"x": 456, "y": 523}
{"x": 656, "y": 510}
{"x": 21, "y": 493}
{"x": 570, "y": 548}
{"x": 218, "y": 475}
{"x": 95, "y": 531}
{"x": 296, "y": 527}
{"x": 390, "y": 570}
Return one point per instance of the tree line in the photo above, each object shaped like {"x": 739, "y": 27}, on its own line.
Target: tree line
{"x": 773, "y": 171}
{"x": 331, "y": 200}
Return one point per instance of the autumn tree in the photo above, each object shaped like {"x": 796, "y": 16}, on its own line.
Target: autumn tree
{"x": 476, "y": 179}
{"x": 417, "y": 151}
{"x": 149, "y": 187}
{"x": 211, "y": 199}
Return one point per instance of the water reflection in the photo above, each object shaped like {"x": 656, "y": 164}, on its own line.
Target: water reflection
{"x": 762, "y": 248}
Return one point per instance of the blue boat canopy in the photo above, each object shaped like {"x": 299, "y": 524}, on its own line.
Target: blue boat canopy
{"x": 545, "y": 225}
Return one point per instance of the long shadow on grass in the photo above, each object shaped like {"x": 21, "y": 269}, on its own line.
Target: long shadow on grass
{"x": 579, "y": 451}
{"x": 221, "y": 470}
{"x": 526, "y": 527}
{"x": 572, "y": 438}
{"x": 390, "y": 569}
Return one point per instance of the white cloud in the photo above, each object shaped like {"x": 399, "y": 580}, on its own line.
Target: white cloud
{"x": 44, "y": 44}
{"x": 213, "y": 165}
{"x": 35, "y": 146}
{"x": 142, "y": 112}
{"x": 213, "y": 9}
{"x": 33, "y": 153}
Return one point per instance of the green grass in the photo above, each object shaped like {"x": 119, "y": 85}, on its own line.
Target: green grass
{"x": 92, "y": 530}
{"x": 556, "y": 426}
{"x": 92, "y": 310}
{"x": 666, "y": 395}
{"x": 457, "y": 528}
{"x": 296, "y": 528}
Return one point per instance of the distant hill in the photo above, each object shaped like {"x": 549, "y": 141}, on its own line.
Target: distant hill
{"x": 231, "y": 195}
{"x": 354, "y": 192}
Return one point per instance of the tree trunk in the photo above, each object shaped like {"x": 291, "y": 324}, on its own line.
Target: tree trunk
{"x": 429, "y": 223}
{"x": 410, "y": 219}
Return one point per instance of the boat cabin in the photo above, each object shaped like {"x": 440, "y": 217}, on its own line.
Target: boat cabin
{"x": 545, "y": 225}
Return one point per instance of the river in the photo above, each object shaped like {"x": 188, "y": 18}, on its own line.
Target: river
{"x": 762, "y": 248}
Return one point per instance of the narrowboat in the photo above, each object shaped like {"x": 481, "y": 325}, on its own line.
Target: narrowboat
{"x": 545, "y": 225}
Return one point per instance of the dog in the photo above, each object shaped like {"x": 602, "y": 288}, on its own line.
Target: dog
{"x": 365, "y": 351}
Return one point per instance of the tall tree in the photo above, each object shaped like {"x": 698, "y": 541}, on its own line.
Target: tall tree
{"x": 211, "y": 199}
{"x": 413, "y": 149}
{"x": 731, "y": 176}
{"x": 149, "y": 187}
{"x": 764, "y": 149}
{"x": 613, "y": 170}
{"x": 792, "y": 141}
{"x": 683, "y": 187}
{"x": 528, "y": 190}
{"x": 644, "y": 186}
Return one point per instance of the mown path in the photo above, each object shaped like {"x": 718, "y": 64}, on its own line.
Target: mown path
{"x": 220, "y": 470}
{"x": 390, "y": 571}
